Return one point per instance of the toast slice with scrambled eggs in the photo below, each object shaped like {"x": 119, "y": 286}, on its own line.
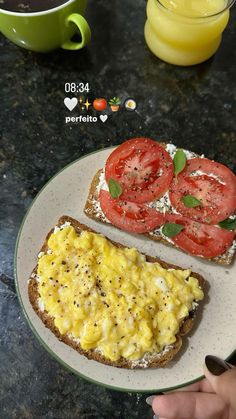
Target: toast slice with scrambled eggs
{"x": 112, "y": 303}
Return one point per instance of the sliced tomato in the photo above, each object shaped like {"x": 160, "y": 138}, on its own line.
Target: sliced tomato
{"x": 129, "y": 216}
{"x": 200, "y": 239}
{"x": 142, "y": 167}
{"x": 211, "y": 183}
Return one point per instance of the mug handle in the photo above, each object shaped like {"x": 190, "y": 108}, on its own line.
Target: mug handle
{"x": 84, "y": 29}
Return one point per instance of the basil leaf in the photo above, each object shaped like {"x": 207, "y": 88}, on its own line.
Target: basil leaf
{"x": 115, "y": 189}
{"x": 172, "y": 229}
{"x": 228, "y": 224}
{"x": 179, "y": 161}
{"x": 190, "y": 201}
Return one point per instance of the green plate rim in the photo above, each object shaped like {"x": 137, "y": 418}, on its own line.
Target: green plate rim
{"x": 34, "y": 330}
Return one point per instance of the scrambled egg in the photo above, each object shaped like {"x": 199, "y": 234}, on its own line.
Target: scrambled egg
{"x": 111, "y": 299}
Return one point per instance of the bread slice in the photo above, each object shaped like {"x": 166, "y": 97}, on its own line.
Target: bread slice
{"x": 150, "y": 360}
{"x": 93, "y": 210}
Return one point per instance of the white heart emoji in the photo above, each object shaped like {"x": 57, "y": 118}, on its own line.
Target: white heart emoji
{"x": 103, "y": 118}
{"x": 70, "y": 103}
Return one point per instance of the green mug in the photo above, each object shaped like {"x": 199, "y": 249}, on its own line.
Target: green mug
{"x": 47, "y": 30}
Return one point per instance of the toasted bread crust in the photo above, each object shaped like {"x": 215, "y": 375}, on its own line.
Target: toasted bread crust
{"x": 91, "y": 210}
{"x": 150, "y": 360}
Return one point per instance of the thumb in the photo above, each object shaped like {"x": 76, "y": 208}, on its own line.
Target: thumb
{"x": 222, "y": 377}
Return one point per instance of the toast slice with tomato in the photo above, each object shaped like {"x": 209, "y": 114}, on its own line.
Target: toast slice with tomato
{"x": 172, "y": 196}
{"x": 41, "y": 277}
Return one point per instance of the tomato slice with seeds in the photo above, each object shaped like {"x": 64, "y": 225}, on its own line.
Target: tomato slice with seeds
{"x": 142, "y": 167}
{"x": 130, "y": 216}
{"x": 200, "y": 239}
{"x": 210, "y": 182}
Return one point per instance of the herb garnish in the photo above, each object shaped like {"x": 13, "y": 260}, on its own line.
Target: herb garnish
{"x": 172, "y": 229}
{"x": 190, "y": 201}
{"x": 228, "y": 224}
{"x": 115, "y": 189}
{"x": 179, "y": 161}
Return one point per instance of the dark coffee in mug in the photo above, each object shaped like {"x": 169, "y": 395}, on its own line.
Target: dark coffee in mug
{"x": 29, "y": 6}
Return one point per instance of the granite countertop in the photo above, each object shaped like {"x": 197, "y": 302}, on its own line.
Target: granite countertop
{"x": 193, "y": 107}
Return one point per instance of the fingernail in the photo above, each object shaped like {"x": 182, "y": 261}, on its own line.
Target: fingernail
{"x": 155, "y": 417}
{"x": 149, "y": 400}
{"x": 216, "y": 365}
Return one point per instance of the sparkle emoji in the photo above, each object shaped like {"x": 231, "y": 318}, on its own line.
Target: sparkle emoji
{"x": 87, "y": 104}
{"x": 114, "y": 104}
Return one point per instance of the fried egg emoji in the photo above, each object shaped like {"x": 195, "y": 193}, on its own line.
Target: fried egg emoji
{"x": 130, "y": 104}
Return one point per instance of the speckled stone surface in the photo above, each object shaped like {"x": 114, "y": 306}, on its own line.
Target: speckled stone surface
{"x": 194, "y": 107}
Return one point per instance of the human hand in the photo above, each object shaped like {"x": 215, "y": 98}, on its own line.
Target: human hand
{"x": 211, "y": 398}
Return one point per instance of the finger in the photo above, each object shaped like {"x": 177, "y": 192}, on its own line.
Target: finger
{"x": 202, "y": 385}
{"x": 193, "y": 405}
{"x": 223, "y": 382}
{"x": 161, "y": 417}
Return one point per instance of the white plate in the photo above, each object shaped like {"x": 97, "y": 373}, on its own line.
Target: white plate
{"x": 214, "y": 331}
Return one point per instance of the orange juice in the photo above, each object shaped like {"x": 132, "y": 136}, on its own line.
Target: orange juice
{"x": 185, "y": 32}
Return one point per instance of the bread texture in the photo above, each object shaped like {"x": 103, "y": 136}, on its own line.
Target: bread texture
{"x": 150, "y": 360}
{"x": 93, "y": 210}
